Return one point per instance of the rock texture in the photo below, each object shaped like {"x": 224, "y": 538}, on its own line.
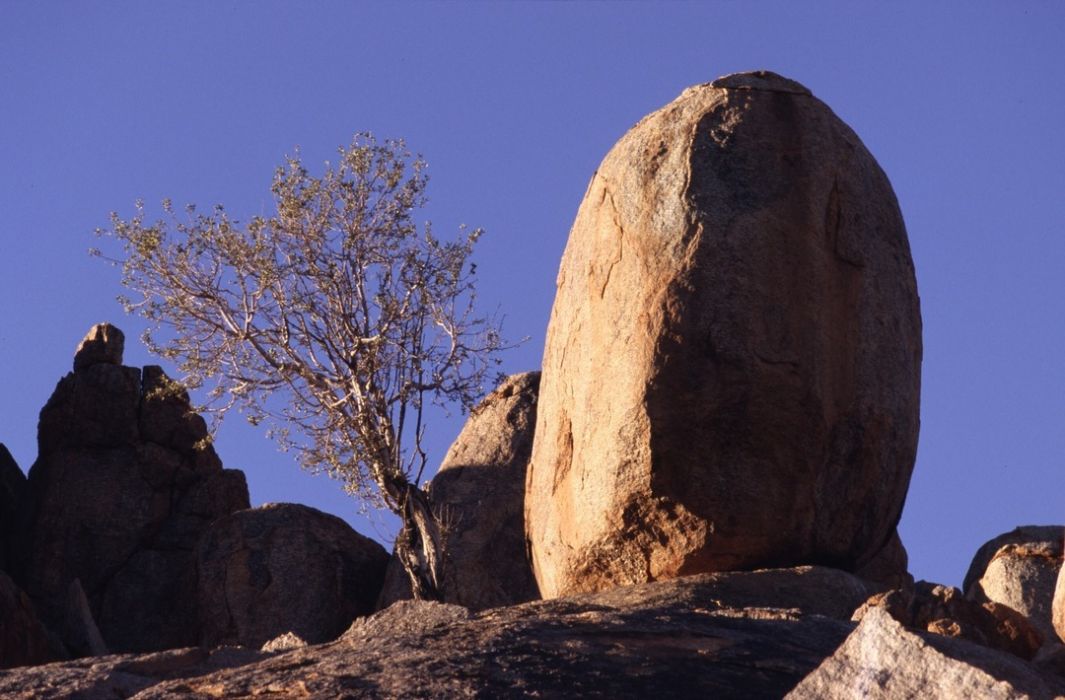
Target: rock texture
{"x": 122, "y": 488}
{"x": 732, "y": 369}
{"x": 119, "y": 676}
{"x": 284, "y": 568}
{"x": 945, "y": 611}
{"x": 479, "y": 491}
{"x": 1020, "y": 569}
{"x": 742, "y": 635}
{"x": 880, "y": 659}
{"x": 23, "y": 639}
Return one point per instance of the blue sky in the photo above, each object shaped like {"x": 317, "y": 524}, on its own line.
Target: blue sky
{"x": 514, "y": 105}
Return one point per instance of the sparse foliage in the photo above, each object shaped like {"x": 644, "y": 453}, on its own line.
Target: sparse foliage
{"x": 337, "y": 320}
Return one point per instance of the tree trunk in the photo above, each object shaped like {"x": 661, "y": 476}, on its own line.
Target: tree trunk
{"x": 420, "y": 545}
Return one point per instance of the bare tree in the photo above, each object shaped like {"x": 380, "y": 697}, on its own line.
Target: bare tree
{"x": 337, "y": 320}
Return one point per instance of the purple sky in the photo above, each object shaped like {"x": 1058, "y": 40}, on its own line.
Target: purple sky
{"x": 514, "y": 105}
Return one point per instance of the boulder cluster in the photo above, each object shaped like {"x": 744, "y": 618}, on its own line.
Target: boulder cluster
{"x": 129, "y": 536}
{"x": 696, "y": 496}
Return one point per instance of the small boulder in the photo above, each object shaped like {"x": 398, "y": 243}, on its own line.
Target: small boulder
{"x": 945, "y": 611}
{"x": 1020, "y": 569}
{"x": 881, "y": 660}
{"x": 282, "y": 568}
{"x": 284, "y": 642}
{"x": 103, "y": 344}
{"x": 479, "y": 493}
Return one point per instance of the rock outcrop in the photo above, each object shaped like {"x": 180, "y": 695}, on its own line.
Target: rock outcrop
{"x": 1020, "y": 569}
{"x": 945, "y": 611}
{"x": 479, "y": 492}
{"x": 732, "y": 635}
{"x": 123, "y": 486}
{"x": 882, "y": 660}
{"x": 732, "y": 370}
{"x": 284, "y": 568}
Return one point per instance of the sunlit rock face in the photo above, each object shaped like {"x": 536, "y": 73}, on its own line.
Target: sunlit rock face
{"x": 732, "y": 370}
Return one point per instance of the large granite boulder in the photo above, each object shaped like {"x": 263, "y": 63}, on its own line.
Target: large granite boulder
{"x": 732, "y": 371}
{"x": 882, "y": 660}
{"x": 123, "y": 486}
{"x": 479, "y": 492}
{"x": 727, "y": 635}
{"x": 1020, "y": 569}
{"x": 283, "y": 568}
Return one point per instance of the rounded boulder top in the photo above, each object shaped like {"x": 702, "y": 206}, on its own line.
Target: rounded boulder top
{"x": 760, "y": 80}
{"x": 102, "y": 345}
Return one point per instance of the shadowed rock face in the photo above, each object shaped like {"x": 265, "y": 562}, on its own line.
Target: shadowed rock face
{"x": 13, "y": 512}
{"x": 23, "y": 639}
{"x": 121, "y": 490}
{"x": 479, "y": 491}
{"x": 732, "y": 370}
{"x": 284, "y": 568}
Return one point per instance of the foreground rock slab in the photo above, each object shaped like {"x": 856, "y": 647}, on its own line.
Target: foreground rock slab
{"x": 120, "y": 675}
{"x": 881, "y": 659}
{"x": 749, "y": 635}
{"x": 731, "y": 375}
